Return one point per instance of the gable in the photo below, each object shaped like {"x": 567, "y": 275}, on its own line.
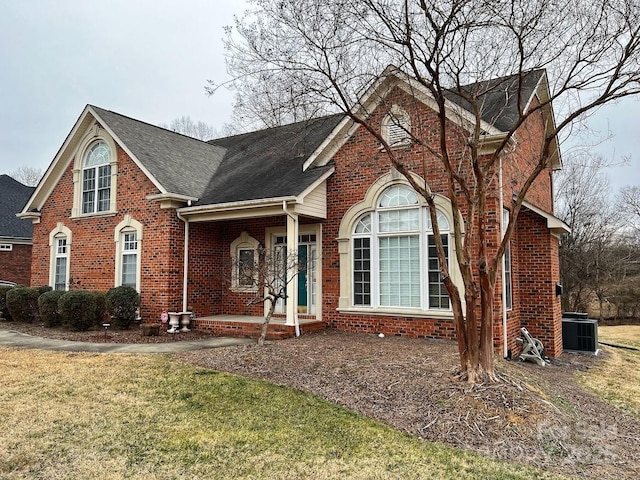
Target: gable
{"x": 500, "y": 108}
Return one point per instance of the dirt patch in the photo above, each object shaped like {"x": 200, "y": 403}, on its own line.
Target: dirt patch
{"x": 536, "y": 415}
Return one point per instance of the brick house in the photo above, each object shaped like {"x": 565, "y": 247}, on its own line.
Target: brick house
{"x": 15, "y": 236}
{"x": 126, "y": 202}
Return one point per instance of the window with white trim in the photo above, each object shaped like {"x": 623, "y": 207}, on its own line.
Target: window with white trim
{"x": 128, "y": 239}
{"x": 244, "y": 256}
{"x": 96, "y": 179}
{"x": 6, "y": 247}
{"x": 61, "y": 264}
{"x": 59, "y": 257}
{"x": 508, "y": 282}
{"x": 129, "y": 259}
{"x": 395, "y": 261}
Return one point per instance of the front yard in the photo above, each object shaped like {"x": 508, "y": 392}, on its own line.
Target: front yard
{"x": 123, "y": 416}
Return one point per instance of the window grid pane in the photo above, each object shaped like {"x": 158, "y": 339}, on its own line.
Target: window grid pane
{"x": 129, "y": 269}
{"x": 362, "y": 271}
{"x": 246, "y": 267}
{"x": 60, "y": 280}
{"x": 438, "y": 295}
{"x": 399, "y": 220}
{"x": 399, "y": 271}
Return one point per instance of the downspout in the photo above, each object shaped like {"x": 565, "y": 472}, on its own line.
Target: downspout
{"x": 294, "y": 218}
{"x": 186, "y": 261}
{"x": 505, "y": 345}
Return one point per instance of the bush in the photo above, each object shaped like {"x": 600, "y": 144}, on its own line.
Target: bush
{"x": 122, "y": 303}
{"x": 22, "y": 303}
{"x": 48, "y": 307}
{"x": 101, "y": 307}
{"x": 44, "y": 289}
{"x": 77, "y": 309}
{"x": 4, "y": 310}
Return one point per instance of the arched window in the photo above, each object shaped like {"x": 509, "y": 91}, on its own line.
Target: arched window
{"x": 60, "y": 254}
{"x": 394, "y": 254}
{"x": 128, "y": 238}
{"x": 96, "y": 179}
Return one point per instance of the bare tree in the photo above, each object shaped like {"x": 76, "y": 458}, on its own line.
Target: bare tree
{"x": 629, "y": 204}
{"x": 583, "y": 201}
{"x": 266, "y": 275}
{"x": 186, "y": 126}
{"x": 324, "y": 54}
{"x": 29, "y": 176}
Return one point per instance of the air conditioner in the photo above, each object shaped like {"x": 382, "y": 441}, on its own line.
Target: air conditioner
{"x": 579, "y": 333}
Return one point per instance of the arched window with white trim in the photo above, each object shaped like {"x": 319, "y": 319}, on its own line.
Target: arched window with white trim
{"x": 96, "y": 179}
{"x": 394, "y": 254}
{"x": 128, "y": 238}
{"x": 60, "y": 254}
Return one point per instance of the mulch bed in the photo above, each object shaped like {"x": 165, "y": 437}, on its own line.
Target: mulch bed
{"x": 535, "y": 415}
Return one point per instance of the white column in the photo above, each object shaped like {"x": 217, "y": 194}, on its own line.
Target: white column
{"x": 292, "y": 275}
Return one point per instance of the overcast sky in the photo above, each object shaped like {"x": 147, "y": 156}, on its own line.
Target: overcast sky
{"x": 150, "y": 60}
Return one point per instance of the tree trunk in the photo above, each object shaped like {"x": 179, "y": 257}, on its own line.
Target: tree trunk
{"x": 265, "y": 325}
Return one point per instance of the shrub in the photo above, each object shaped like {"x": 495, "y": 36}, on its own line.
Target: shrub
{"x": 122, "y": 303}
{"x": 101, "y": 306}
{"x": 44, "y": 289}
{"x": 48, "y": 307}
{"x": 77, "y": 309}
{"x": 4, "y": 310}
{"x": 22, "y": 303}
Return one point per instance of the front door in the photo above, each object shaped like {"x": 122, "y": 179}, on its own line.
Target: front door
{"x": 306, "y": 277}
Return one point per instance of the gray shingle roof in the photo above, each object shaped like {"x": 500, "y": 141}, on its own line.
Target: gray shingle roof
{"x": 181, "y": 164}
{"x": 498, "y": 97}
{"x": 13, "y": 197}
{"x": 268, "y": 163}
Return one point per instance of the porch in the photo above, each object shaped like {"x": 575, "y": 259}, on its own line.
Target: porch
{"x": 245, "y": 326}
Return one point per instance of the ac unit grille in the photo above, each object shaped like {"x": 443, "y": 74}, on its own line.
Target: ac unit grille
{"x": 580, "y": 335}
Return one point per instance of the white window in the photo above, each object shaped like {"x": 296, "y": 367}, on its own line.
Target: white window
{"x": 396, "y": 128}
{"x": 395, "y": 261}
{"x": 129, "y": 259}
{"x": 60, "y": 255}
{"x": 244, "y": 257}
{"x": 508, "y": 284}
{"x": 96, "y": 179}
{"x": 128, "y": 238}
{"x": 6, "y": 247}
{"x": 61, "y": 263}
{"x": 246, "y": 267}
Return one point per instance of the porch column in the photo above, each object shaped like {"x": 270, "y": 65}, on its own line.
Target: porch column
{"x": 292, "y": 266}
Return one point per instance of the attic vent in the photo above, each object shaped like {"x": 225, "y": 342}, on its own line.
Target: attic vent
{"x": 396, "y": 128}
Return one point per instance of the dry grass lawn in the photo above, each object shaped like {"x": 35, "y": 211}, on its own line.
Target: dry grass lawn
{"x": 618, "y": 380}
{"x": 90, "y": 416}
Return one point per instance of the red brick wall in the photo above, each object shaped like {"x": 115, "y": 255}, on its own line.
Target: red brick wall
{"x": 15, "y": 265}
{"x": 93, "y": 250}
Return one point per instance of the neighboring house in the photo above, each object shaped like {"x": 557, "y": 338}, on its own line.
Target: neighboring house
{"x": 15, "y": 235}
{"x": 126, "y": 202}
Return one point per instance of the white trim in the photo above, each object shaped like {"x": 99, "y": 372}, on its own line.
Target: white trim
{"x": 93, "y": 135}
{"x": 243, "y": 242}
{"x": 127, "y": 225}
{"x": 557, "y": 226}
{"x": 390, "y": 78}
{"x": 61, "y": 231}
{"x": 6, "y": 247}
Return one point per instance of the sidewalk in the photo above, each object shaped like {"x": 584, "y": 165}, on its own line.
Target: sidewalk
{"x": 10, "y": 338}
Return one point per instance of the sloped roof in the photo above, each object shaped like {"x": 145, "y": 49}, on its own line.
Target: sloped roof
{"x": 13, "y": 197}
{"x": 179, "y": 163}
{"x": 498, "y": 97}
{"x": 268, "y": 163}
